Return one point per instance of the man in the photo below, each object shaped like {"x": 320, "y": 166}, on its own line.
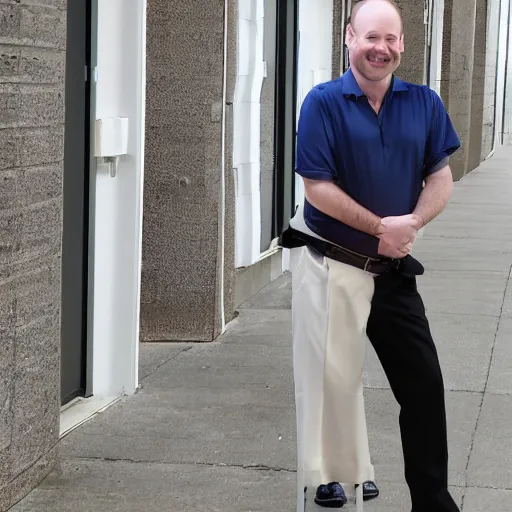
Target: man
{"x": 373, "y": 153}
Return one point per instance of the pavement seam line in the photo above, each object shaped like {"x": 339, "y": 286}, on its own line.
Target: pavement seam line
{"x": 186, "y": 349}
{"x": 429, "y": 311}
{"x": 251, "y": 467}
{"x": 477, "y": 423}
{"x": 449, "y": 390}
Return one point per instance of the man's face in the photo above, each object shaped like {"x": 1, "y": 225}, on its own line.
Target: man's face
{"x": 375, "y": 40}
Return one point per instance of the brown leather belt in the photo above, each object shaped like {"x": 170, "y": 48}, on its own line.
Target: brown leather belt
{"x": 293, "y": 238}
{"x": 373, "y": 265}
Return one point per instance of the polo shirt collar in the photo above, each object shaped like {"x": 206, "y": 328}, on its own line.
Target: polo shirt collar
{"x": 351, "y": 87}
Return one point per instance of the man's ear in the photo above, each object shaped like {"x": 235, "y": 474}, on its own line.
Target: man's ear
{"x": 349, "y": 34}
{"x": 402, "y": 44}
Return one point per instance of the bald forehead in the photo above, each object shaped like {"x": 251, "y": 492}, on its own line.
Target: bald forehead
{"x": 359, "y": 4}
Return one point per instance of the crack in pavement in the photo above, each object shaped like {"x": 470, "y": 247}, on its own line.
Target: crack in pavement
{"x": 251, "y": 467}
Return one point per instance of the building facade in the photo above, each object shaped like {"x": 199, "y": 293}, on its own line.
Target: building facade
{"x": 146, "y": 160}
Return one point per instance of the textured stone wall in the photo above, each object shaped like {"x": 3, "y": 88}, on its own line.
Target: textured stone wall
{"x": 463, "y": 78}
{"x": 477, "y": 87}
{"x": 229, "y": 221}
{"x": 413, "y": 59}
{"x": 181, "y": 237}
{"x": 32, "y": 65}
{"x": 446, "y": 54}
{"x": 457, "y": 74}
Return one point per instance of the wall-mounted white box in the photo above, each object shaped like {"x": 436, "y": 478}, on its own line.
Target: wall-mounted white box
{"x": 111, "y": 137}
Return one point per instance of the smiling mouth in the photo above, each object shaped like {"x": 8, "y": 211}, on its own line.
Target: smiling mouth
{"x": 379, "y": 61}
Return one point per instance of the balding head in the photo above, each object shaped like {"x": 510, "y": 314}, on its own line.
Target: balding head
{"x": 358, "y": 4}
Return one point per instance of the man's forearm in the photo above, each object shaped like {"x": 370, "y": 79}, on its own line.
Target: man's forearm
{"x": 331, "y": 200}
{"x": 435, "y": 195}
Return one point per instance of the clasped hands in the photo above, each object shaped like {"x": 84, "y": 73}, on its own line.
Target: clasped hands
{"x": 397, "y": 235}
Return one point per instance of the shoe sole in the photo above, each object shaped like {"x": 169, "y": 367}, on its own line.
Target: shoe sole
{"x": 338, "y": 503}
{"x": 368, "y": 497}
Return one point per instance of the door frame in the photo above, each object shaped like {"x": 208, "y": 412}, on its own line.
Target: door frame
{"x": 82, "y": 390}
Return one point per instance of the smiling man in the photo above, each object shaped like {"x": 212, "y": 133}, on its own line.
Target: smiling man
{"x": 373, "y": 153}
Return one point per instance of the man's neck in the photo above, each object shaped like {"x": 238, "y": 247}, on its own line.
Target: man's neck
{"x": 375, "y": 91}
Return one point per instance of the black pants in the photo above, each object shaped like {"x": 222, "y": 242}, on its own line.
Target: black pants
{"x": 399, "y": 331}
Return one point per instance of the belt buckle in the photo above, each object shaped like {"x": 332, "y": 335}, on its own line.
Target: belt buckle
{"x": 368, "y": 265}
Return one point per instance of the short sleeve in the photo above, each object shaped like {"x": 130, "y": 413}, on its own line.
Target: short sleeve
{"x": 442, "y": 139}
{"x": 315, "y": 150}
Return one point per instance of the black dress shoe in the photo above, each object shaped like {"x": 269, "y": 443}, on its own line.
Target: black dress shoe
{"x": 370, "y": 491}
{"x": 330, "y": 496}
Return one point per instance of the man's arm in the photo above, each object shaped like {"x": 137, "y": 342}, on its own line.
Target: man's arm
{"x": 442, "y": 142}
{"x": 435, "y": 195}
{"x": 395, "y": 238}
{"x": 327, "y": 197}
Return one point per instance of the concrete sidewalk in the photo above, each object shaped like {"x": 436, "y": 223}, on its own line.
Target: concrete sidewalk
{"x": 213, "y": 427}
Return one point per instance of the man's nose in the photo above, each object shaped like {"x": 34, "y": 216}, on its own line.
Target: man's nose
{"x": 381, "y": 46}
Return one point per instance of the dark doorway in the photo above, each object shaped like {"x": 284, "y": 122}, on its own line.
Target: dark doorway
{"x": 285, "y": 113}
{"x": 76, "y": 199}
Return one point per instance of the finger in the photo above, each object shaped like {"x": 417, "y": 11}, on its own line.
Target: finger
{"x": 405, "y": 249}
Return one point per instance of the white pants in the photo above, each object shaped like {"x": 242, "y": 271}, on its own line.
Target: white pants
{"x": 330, "y": 308}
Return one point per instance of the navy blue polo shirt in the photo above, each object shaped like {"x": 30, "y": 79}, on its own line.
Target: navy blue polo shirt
{"x": 379, "y": 160}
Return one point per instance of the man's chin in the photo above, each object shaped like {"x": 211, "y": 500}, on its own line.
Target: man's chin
{"x": 377, "y": 75}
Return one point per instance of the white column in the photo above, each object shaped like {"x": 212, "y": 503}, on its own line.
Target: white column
{"x": 315, "y": 56}
{"x": 246, "y": 132}
{"x": 116, "y": 203}
{"x": 436, "y": 46}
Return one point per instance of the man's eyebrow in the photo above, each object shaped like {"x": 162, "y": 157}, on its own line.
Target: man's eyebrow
{"x": 374, "y": 32}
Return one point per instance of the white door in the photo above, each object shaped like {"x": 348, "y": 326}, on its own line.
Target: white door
{"x": 116, "y": 202}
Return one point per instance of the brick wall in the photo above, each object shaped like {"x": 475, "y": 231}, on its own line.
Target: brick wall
{"x": 32, "y": 63}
